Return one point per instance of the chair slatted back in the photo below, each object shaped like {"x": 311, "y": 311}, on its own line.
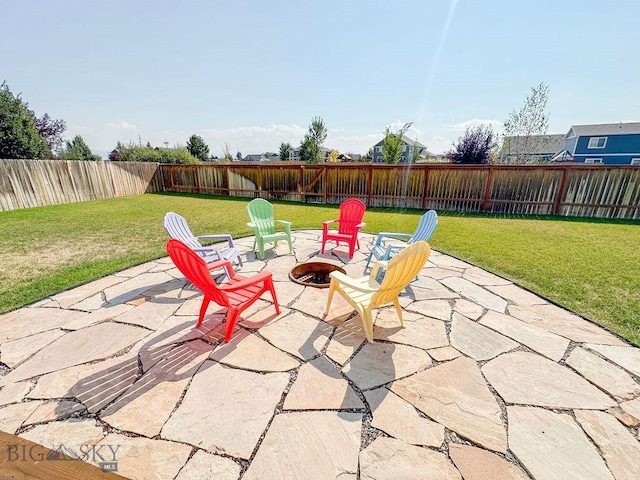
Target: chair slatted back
{"x": 351, "y": 214}
{"x": 194, "y": 268}
{"x": 176, "y": 227}
{"x": 426, "y": 227}
{"x": 261, "y": 214}
{"x": 401, "y": 270}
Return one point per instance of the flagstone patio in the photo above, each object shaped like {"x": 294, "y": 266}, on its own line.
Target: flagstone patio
{"x": 486, "y": 380}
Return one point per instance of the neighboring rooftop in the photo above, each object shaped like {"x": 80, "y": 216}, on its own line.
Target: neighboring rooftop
{"x": 606, "y": 129}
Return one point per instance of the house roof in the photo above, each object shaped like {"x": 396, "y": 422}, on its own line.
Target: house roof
{"x": 606, "y": 129}
{"x": 406, "y": 140}
{"x": 535, "y": 144}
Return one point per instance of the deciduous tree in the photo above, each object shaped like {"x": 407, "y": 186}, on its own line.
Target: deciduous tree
{"x": 19, "y": 136}
{"x": 474, "y": 146}
{"x": 531, "y": 120}
{"x": 284, "y": 151}
{"x": 392, "y": 143}
{"x": 311, "y": 146}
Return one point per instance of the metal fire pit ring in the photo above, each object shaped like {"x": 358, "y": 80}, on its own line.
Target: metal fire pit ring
{"x": 314, "y": 274}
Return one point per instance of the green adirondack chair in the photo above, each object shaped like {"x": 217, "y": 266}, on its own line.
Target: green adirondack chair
{"x": 264, "y": 226}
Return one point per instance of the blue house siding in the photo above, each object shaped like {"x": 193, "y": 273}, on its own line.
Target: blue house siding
{"x": 618, "y": 150}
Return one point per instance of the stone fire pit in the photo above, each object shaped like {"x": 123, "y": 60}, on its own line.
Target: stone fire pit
{"x": 314, "y": 274}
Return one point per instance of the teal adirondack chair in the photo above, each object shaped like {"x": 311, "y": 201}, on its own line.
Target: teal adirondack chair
{"x": 264, "y": 226}
{"x": 386, "y": 251}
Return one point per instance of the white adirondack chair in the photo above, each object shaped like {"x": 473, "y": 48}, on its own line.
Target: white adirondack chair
{"x": 177, "y": 227}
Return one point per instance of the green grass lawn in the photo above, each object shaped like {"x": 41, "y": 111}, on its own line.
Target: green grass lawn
{"x": 588, "y": 266}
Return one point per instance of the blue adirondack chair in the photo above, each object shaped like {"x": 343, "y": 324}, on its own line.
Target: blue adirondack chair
{"x": 385, "y": 250}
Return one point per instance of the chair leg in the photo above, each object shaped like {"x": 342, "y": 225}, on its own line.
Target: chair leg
{"x": 260, "y": 249}
{"x": 290, "y": 245}
{"x": 368, "y": 259}
{"x": 396, "y": 304}
{"x": 322, "y": 247}
{"x": 332, "y": 289}
{"x": 203, "y": 310}
{"x": 232, "y": 318}
{"x": 367, "y": 323}
{"x": 272, "y": 289}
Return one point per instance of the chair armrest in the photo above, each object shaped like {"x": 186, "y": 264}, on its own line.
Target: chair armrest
{"x": 329, "y": 222}
{"x": 251, "y": 225}
{"x": 351, "y": 283}
{"x": 226, "y": 264}
{"x": 208, "y": 248}
{"x": 382, "y": 235}
{"x": 222, "y": 236}
{"x": 247, "y": 282}
{"x": 286, "y": 224}
{"x": 361, "y": 225}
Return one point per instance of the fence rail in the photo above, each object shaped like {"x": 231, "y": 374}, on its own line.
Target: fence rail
{"x": 566, "y": 190}
{"x": 34, "y": 183}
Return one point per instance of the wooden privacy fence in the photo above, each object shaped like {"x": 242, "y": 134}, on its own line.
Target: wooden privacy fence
{"x": 568, "y": 189}
{"x": 33, "y": 183}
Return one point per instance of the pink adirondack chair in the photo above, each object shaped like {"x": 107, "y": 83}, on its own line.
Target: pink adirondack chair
{"x": 349, "y": 224}
{"x": 237, "y": 294}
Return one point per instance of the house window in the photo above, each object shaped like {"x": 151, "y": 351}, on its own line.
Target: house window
{"x": 378, "y": 149}
{"x": 592, "y": 160}
{"x": 635, "y": 161}
{"x": 597, "y": 142}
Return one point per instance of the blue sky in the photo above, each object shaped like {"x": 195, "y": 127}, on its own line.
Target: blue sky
{"x": 252, "y": 74}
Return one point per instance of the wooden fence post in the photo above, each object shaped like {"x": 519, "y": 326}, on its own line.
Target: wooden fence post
{"x": 425, "y": 187}
{"x": 369, "y": 184}
{"x": 487, "y": 190}
{"x": 324, "y": 174}
{"x": 561, "y": 191}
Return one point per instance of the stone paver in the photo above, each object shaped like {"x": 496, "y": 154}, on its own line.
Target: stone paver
{"x": 545, "y": 343}
{"x": 380, "y": 363}
{"x": 627, "y": 357}
{"x": 564, "y": 323}
{"x": 78, "y": 347}
{"x": 142, "y": 458}
{"x": 475, "y": 293}
{"x": 529, "y": 379}
{"x": 15, "y": 351}
{"x": 118, "y": 363}
{"x": 516, "y": 295}
{"x": 477, "y": 464}
{"x": 552, "y": 446}
{"x": 476, "y": 341}
{"x": 73, "y": 433}
{"x": 455, "y": 395}
{"x": 400, "y": 419}
{"x": 209, "y": 417}
{"x": 205, "y": 466}
{"x": 301, "y": 336}
{"x": 147, "y": 404}
{"x": 387, "y": 459}
{"x": 418, "y": 331}
{"x": 318, "y": 445}
{"x": 250, "y": 352}
{"x": 608, "y": 377}
{"x": 440, "y": 309}
{"x": 319, "y": 386}
{"x": 621, "y": 451}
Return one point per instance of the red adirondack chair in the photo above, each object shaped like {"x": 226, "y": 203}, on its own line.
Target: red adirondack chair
{"x": 349, "y": 223}
{"x": 237, "y": 295}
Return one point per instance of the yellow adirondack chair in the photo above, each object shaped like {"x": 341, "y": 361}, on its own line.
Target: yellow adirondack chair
{"x": 366, "y": 293}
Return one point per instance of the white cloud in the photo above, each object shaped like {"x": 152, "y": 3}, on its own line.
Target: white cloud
{"x": 474, "y": 122}
{"x": 122, "y": 125}
{"x": 438, "y": 144}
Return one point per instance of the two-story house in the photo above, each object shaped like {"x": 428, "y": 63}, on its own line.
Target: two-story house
{"x": 610, "y": 143}
{"x": 294, "y": 154}
{"x": 531, "y": 148}
{"x": 411, "y": 149}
